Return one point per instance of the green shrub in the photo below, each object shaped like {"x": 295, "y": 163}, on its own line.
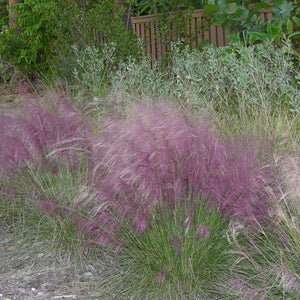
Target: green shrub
{"x": 246, "y": 24}
{"x": 47, "y": 30}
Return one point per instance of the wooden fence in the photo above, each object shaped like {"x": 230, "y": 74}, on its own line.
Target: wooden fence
{"x": 156, "y": 44}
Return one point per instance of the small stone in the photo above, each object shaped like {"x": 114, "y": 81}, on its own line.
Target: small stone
{"x": 33, "y": 289}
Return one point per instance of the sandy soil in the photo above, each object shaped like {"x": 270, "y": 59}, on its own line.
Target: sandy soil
{"x": 28, "y": 273}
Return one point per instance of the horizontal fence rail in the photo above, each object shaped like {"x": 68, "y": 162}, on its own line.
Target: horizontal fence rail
{"x": 198, "y": 30}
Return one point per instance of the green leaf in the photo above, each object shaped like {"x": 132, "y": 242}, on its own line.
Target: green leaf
{"x": 277, "y": 2}
{"x": 241, "y": 12}
{"x": 296, "y": 20}
{"x": 211, "y": 8}
{"x": 233, "y": 39}
{"x": 269, "y": 27}
{"x": 258, "y": 36}
{"x": 253, "y": 19}
{"x": 259, "y": 21}
{"x": 4, "y": 21}
{"x": 283, "y": 12}
{"x": 294, "y": 34}
{"x": 219, "y": 20}
{"x": 261, "y": 6}
{"x": 289, "y": 27}
{"x": 278, "y": 26}
{"x": 231, "y": 8}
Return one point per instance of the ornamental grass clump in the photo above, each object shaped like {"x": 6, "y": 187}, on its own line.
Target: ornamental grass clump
{"x": 158, "y": 157}
{"x": 43, "y": 166}
{"x": 167, "y": 186}
{"x": 13, "y": 152}
{"x": 268, "y": 266}
{"x": 44, "y": 138}
{"x": 42, "y": 126}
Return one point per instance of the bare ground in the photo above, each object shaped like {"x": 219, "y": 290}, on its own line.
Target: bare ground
{"x": 28, "y": 272}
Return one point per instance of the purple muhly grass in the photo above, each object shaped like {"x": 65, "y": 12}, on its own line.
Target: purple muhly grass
{"x": 246, "y": 290}
{"x": 157, "y": 156}
{"x": 102, "y": 228}
{"x": 240, "y": 188}
{"x": 60, "y": 128}
{"x": 291, "y": 177}
{"x": 43, "y": 127}
{"x": 13, "y": 152}
{"x": 40, "y": 127}
{"x": 161, "y": 277}
{"x": 177, "y": 243}
{"x": 24, "y": 87}
{"x": 144, "y": 162}
{"x": 48, "y": 206}
{"x": 287, "y": 279}
{"x": 203, "y": 232}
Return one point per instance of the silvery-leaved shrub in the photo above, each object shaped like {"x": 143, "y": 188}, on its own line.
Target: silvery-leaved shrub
{"x": 238, "y": 77}
{"x": 250, "y": 76}
{"x": 94, "y": 67}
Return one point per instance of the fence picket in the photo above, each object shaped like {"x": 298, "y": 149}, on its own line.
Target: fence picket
{"x": 145, "y": 28}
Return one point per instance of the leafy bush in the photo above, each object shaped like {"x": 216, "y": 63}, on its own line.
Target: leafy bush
{"x": 238, "y": 78}
{"x": 47, "y": 30}
{"x": 94, "y": 67}
{"x": 140, "y": 78}
{"x": 29, "y": 45}
{"x": 247, "y": 76}
{"x": 245, "y": 20}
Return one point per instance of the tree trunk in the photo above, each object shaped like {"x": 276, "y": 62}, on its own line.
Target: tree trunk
{"x": 13, "y": 14}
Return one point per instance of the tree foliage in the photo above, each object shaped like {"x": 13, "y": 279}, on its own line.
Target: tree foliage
{"x": 244, "y": 19}
{"x": 48, "y": 29}
{"x": 149, "y": 7}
